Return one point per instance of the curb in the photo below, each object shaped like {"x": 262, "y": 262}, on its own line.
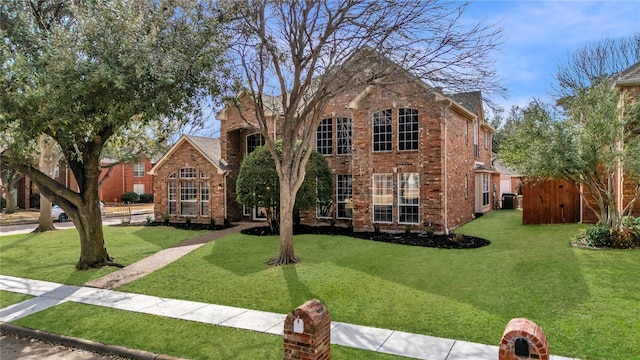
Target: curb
{"x": 89, "y": 345}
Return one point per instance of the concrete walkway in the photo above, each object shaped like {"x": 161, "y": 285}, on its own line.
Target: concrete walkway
{"x": 99, "y": 293}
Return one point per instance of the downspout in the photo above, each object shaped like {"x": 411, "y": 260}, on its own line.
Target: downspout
{"x": 446, "y": 192}
{"x": 124, "y": 189}
{"x": 224, "y": 186}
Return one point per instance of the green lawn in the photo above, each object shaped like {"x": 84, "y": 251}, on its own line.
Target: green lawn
{"x": 587, "y": 301}
{"x": 52, "y": 255}
{"x": 9, "y": 298}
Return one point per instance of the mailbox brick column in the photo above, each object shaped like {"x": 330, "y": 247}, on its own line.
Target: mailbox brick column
{"x": 523, "y": 339}
{"x": 312, "y": 340}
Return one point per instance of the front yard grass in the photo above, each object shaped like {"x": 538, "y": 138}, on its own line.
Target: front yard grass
{"x": 52, "y": 256}
{"x": 587, "y": 301}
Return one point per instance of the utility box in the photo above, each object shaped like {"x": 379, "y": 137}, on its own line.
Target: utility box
{"x": 508, "y": 201}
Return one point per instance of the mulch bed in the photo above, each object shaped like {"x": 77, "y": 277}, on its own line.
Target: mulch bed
{"x": 451, "y": 241}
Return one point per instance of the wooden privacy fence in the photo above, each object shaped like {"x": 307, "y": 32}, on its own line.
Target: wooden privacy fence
{"x": 550, "y": 202}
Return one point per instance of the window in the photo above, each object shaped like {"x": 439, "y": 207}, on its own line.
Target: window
{"x": 204, "y": 198}
{"x": 138, "y": 189}
{"x": 382, "y": 197}
{"x": 476, "y": 151}
{"x": 188, "y": 198}
{"x": 408, "y": 198}
{"x": 485, "y": 189}
{"x": 187, "y": 173}
{"x": 407, "y": 129}
{"x": 382, "y": 130}
{"x": 138, "y": 170}
{"x": 344, "y": 136}
{"x": 254, "y": 141}
{"x": 246, "y": 211}
{"x": 171, "y": 196}
{"x": 56, "y": 171}
{"x": 324, "y": 137}
{"x": 344, "y": 197}
{"x": 203, "y": 174}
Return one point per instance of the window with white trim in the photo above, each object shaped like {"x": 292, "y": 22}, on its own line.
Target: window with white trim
{"x": 408, "y": 198}
{"x": 324, "y": 137}
{"x": 188, "y": 173}
{"x": 138, "y": 170}
{"x": 383, "y": 198}
{"x": 486, "y": 139}
{"x": 407, "y": 129}
{"x": 382, "y": 130}
{"x": 343, "y": 125}
{"x": 171, "y": 197}
{"x": 485, "y": 189}
{"x": 204, "y": 198}
{"x": 138, "y": 189}
{"x": 344, "y": 196}
{"x": 254, "y": 141}
{"x": 204, "y": 174}
{"x": 188, "y": 198}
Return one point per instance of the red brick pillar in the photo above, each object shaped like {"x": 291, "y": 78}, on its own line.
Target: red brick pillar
{"x": 307, "y": 332}
{"x": 523, "y": 339}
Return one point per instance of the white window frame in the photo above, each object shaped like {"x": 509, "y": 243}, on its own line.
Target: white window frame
{"x": 408, "y": 183}
{"x": 205, "y": 209}
{"x": 476, "y": 151}
{"x": 382, "y": 120}
{"x": 188, "y": 173}
{"x": 172, "y": 196}
{"x": 382, "y": 196}
{"x": 139, "y": 187}
{"x": 138, "y": 170}
{"x": 324, "y": 137}
{"x": 189, "y": 197}
{"x": 485, "y": 190}
{"x": 408, "y": 117}
{"x": 344, "y": 198}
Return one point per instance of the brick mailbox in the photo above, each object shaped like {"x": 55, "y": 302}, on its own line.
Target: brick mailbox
{"x": 307, "y": 332}
{"x": 523, "y": 339}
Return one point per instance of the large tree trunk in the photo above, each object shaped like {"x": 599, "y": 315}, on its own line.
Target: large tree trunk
{"x": 45, "y": 223}
{"x": 88, "y": 222}
{"x": 287, "y": 201}
{"x": 93, "y": 253}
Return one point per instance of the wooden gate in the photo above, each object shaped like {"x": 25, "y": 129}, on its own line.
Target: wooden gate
{"x": 550, "y": 202}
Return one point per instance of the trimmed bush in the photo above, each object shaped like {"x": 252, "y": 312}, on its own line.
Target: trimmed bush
{"x": 129, "y": 197}
{"x": 146, "y": 198}
{"x": 598, "y": 236}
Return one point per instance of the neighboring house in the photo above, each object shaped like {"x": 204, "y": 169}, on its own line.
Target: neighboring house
{"x": 125, "y": 178}
{"x": 404, "y": 156}
{"x": 189, "y": 181}
{"x": 510, "y": 181}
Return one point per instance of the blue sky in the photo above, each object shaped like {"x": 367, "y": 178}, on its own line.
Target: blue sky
{"x": 539, "y": 34}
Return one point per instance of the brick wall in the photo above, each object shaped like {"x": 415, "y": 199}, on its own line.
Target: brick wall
{"x": 427, "y": 161}
{"x": 121, "y": 180}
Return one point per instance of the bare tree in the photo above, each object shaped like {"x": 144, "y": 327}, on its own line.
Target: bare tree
{"x": 595, "y": 61}
{"x": 310, "y": 52}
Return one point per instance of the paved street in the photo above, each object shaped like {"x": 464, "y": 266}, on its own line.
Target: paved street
{"x": 27, "y": 228}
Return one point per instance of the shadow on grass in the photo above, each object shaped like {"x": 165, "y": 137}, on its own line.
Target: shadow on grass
{"x": 299, "y": 293}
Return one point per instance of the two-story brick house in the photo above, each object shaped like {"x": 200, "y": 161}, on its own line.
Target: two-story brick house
{"x": 404, "y": 155}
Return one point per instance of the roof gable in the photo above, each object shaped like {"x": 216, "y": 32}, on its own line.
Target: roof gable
{"x": 208, "y": 147}
{"x": 629, "y": 76}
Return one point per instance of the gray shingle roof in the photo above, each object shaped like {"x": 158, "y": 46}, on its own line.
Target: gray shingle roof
{"x": 629, "y": 76}
{"x": 209, "y": 147}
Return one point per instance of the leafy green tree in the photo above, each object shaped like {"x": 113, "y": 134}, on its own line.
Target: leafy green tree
{"x": 87, "y": 75}
{"x": 588, "y": 143}
{"x": 257, "y": 184}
